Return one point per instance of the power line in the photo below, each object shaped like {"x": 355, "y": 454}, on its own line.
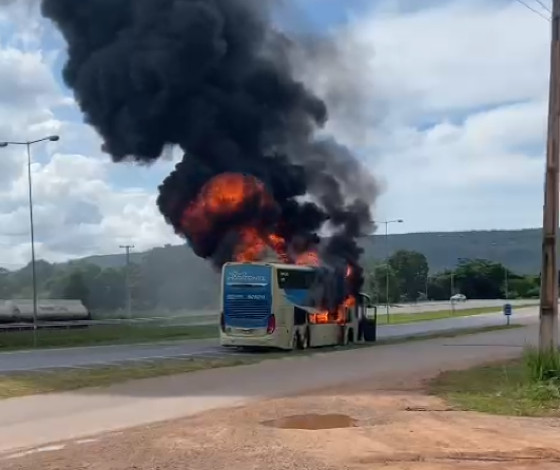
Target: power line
{"x": 537, "y": 12}
{"x": 543, "y": 5}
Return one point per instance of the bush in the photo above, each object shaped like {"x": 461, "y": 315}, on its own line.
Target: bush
{"x": 543, "y": 366}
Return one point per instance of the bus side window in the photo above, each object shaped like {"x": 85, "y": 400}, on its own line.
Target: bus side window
{"x": 300, "y": 316}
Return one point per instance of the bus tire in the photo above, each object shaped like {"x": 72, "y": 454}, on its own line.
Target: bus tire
{"x": 297, "y": 344}
{"x": 306, "y": 340}
{"x": 350, "y": 336}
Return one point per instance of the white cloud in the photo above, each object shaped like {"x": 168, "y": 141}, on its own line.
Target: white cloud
{"x": 454, "y": 122}
{"x": 76, "y": 210}
{"x": 459, "y": 91}
{"x": 77, "y": 213}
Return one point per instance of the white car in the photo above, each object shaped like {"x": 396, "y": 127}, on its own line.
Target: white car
{"x": 458, "y": 298}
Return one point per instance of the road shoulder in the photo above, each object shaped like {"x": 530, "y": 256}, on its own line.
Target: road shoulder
{"x": 39, "y": 420}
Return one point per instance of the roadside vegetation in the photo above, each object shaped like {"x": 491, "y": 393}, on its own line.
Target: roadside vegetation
{"x": 528, "y": 386}
{"x": 412, "y": 279}
{"x": 59, "y": 380}
{"x": 171, "y": 281}
{"x": 34, "y": 383}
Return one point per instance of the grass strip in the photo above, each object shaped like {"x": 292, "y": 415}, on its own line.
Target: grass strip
{"x": 400, "y": 318}
{"x": 103, "y": 335}
{"x": 58, "y": 380}
{"x": 520, "y": 387}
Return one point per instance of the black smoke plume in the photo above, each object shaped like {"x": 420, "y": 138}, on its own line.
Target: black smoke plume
{"x": 215, "y": 78}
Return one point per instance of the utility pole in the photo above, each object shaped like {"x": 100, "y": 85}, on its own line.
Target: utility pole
{"x": 506, "y": 280}
{"x": 452, "y": 285}
{"x": 548, "y": 315}
{"x": 127, "y": 248}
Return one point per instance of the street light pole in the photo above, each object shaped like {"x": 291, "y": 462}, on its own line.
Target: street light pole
{"x": 387, "y": 222}
{"x": 32, "y": 229}
{"x": 28, "y": 144}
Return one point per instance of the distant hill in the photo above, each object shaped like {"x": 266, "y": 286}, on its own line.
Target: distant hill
{"x": 519, "y": 250}
{"x": 172, "y": 277}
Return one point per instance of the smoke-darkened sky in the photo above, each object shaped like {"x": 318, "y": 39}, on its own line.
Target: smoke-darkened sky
{"x": 424, "y": 130}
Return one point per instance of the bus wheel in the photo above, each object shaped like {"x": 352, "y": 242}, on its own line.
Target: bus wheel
{"x": 350, "y": 336}
{"x": 296, "y": 341}
{"x": 306, "y": 340}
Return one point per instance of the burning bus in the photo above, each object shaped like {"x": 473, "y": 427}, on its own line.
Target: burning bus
{"x": 259, "y": 174}
{"x": 284, "y": 306}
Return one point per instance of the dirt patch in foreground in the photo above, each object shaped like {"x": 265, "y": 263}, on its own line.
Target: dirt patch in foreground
{"x": 392, "y": 426}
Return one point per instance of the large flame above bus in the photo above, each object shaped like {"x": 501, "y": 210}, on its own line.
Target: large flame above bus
{"x": 243, "y": 204}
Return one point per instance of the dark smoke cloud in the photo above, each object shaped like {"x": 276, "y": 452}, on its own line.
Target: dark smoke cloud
{"x": 217, "y": 79}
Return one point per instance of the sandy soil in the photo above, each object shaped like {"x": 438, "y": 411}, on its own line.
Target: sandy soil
{"x": 394, "y": 426}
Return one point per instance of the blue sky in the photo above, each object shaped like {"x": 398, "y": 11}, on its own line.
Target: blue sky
{"x": 450, "y": 118}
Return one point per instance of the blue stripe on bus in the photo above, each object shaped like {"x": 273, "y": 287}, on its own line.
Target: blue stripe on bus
{"x": 298, "y": 296}
{"x": 247, "y": 296}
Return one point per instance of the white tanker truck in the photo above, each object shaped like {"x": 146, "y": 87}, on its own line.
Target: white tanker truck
{"x": 51, "y": 310}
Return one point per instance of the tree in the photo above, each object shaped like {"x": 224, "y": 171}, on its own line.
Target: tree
{"x": 439, "y": 286}
{"x": 480, "y": 278}
{"x": 411, "y": 272}
{"x": 76, "y": 288}
{"x": 376, "y": 282}
{"x": 524, "y": 287}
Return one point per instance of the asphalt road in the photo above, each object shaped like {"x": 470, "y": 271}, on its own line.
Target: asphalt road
{"x": 41, "y": 420}
{"x": 421, "y": 307}
{"x": 99, "y": 355}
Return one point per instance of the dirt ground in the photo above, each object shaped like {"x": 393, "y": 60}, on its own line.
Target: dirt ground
{"x": 393, "y": 425}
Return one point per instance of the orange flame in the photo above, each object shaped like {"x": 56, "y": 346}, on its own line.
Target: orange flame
{"x": 224, "y": 197}
{"x": 309, "y": 258}
{"x": 221, "y": 198}
{"x": 250, "y": 245}
{"x": 230, "y": 195}
{"x": 320, "y": 317}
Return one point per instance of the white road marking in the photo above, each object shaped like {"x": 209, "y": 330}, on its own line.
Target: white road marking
{"x": 51, "y": 448}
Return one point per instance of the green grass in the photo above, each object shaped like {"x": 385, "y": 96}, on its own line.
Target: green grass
{"x": 528, "y": 386}
{"x": 59, "y": 380}
{"x": 400, "y": 318}
{"x": 103, "y": 335}
{"x": 34, "y": 383}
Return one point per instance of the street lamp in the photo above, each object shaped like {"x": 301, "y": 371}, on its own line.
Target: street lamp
{"x": 28, "y": 144}
{"x": 387, "y": 222}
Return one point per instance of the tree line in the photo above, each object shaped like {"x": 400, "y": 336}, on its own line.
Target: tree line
{"x": 409, "y": 280}
{"x": 174, "y": 279}
{"x": 160, "y": 280}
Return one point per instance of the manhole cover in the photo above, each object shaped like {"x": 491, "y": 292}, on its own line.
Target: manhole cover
{"x": 313, "y": 422}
